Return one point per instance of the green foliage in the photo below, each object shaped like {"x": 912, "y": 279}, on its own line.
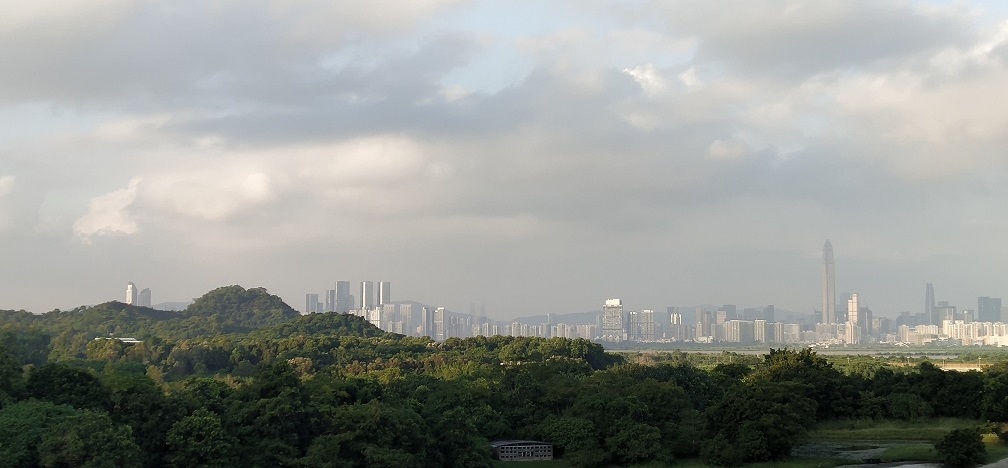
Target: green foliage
{"x": 962, "y": 447}
{"x": 41, "y": 433}
{"x": 908, "y": 406}
{"x": 62, "y": 384}
{"x": 833, "y": 394}
{"x": 238, "y": 309}
{"x": 764, "y": 420}
{"x": 89, "y": 439}
{"x": 200, "y": 440}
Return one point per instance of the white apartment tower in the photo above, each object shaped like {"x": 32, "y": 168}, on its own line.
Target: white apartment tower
{"x": 131, "y": 294}
{"x": 613, "y": 328}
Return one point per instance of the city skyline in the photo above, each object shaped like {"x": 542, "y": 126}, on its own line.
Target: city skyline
{"x": 532, "y": 156}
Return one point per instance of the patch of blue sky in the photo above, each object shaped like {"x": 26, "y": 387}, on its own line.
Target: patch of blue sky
{"x": 499, "y": 27}
{"x": 43, "y": 119}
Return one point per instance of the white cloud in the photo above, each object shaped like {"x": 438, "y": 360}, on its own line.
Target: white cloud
{"x": 726, "y": 150}
{"x": 6, "y": 184}
{"x": 211, "y": 195}
{"x": 109, "y": 214}
{"x": 648, "y": 77}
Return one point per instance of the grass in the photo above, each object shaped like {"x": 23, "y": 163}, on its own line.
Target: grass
{"x": 931, "y": 430}
{"x": 791, "y": 462}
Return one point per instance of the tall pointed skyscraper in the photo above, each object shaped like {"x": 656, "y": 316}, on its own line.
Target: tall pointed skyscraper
{"x": 828, "y": 285}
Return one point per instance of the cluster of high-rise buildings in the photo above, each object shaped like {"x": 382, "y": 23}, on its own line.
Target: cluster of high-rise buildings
{"x": 137, "y": 297}
{"x": 938, "y": 322}
{"x": 722, "y": 325}
{"x": 845, "y": 322}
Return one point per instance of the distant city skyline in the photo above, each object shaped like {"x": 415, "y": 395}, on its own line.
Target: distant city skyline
{"x": 536, "y": 157}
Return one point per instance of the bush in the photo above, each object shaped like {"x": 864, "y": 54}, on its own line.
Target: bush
{"x": 961, "y": 448}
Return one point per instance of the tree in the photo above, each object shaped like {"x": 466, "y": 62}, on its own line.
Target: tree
{"x": 962, "y": 448}
{"x": 200, "y": 440}
{"x": 763, "y": 420}
{"x": 59, "y": 383}
{"x": 827, "y": 387}
{"x": 11, "y": 382}
{"x": 89, "y": 439}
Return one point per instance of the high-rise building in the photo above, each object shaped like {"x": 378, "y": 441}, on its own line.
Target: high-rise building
{"x": 988, "y": 309}
{"x": 828, "y": 285}
{"x": 144, "y": 298}
{"x": 641, "y": 325}
{"x": 768, "y": 313}
{"x": 678, "y": 328}
{"x": 853, "y": 327}
{"x": 929, "y": 305}
{"x": 384, "y": 293}
{"x": 440, "y": 333}
{"x": 344, "y": 300}
{"x": 131, "y": 294}
{"x": 426, "y": 323}
{"x": 330, "y": 300}
{"x": 613, "y": 328}
{"x": 311, "y": 303}
{"x": 367, "y": 295}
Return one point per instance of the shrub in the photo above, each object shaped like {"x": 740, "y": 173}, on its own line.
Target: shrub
{"x": 962, "y": 448}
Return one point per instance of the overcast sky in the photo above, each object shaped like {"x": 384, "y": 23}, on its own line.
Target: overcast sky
{"x": 530, "y": 156}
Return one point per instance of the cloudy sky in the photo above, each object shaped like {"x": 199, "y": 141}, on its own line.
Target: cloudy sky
{"x": 530, "y": 156}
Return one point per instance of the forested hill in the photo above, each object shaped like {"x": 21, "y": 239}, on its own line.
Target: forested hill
{"x": 229, "y": 310}
{"x": 240, "y": 309}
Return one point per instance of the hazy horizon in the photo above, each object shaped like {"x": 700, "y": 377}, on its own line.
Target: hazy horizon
{"x": 533, "y": 157}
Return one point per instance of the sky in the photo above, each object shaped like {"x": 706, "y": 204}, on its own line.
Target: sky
{"x": 533, "y": 157}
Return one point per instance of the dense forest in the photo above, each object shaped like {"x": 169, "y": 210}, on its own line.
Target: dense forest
{"x": 241, "y": 379}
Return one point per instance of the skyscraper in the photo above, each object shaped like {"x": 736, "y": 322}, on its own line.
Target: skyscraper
{"x": 929, "y": 305}
{"x": 344, "y": 300}
{"x": 828, "y": 285}
{"x": 612, "y": 321}
{"x": 131, "y": 294}
{"x": 367, "y": 295}
{"x": 311, "y": 303}
{"x": 989, "y": 309}
{"x": 384, "y": 293}
{"x": 144, "y": 298}
{"x": 853, "y": 320}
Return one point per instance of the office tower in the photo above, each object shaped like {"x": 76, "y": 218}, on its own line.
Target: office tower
{"x": 730, "y": 312}
{"x": 384, "y": 293}
{"x": 943, "y": 311}
{"x": 344, "y": 300}
{"x": 131, "y": 294}
{"x": 988, "y": 309}
{"x": 929, "y": 305}
{"x": 828, "y": 285}
{"x": 612, "y": 321}
{"x": 768, "y": 313}
{"x": 144, "y": 298}
{"x": 330, "y": 300}
{"x": 367, "y": 295}
{"x": 311, "y": 303}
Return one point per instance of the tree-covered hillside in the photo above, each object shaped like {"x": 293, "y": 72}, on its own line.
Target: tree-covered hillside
{"x": 240, "y": 380}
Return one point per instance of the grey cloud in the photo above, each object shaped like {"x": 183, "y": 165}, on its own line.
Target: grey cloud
{"x": 803, "y": 38}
